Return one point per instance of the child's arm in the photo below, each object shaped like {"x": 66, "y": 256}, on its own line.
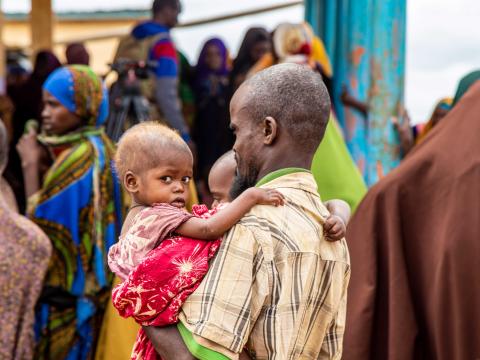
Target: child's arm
{"x": 214, "y": 227}
{"x": 336, "y": 224}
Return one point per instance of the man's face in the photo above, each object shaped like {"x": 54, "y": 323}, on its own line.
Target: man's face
{"x": 172, "y": 13}
{"x": 248, "y": 143}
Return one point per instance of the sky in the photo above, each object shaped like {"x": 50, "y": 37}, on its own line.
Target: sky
{"x": 443, "y": 37}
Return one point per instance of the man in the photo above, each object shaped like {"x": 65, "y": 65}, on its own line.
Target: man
{"x": 276, "y": 287}
{"x": 159, "y": 47}
{"x": 77, "y": 54}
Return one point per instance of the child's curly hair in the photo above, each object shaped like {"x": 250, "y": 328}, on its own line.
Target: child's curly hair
{"x": 141, "y": 146}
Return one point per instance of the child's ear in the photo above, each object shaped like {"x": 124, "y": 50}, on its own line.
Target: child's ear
{"x": 130, "y": 181}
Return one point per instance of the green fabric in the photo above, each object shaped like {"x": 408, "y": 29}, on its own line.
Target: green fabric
{"x": 185, "y": 90}
{"x": 465, "y": 84}
{"x": 335, "y": 172}
{"x": 70, "y": 138}
{"x": 197, "y": 350}
{"x": 276, "y": 174}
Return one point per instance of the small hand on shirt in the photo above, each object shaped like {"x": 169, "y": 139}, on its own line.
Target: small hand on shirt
{"x": 266, "y": 196}
{"x": 334, "y": 228}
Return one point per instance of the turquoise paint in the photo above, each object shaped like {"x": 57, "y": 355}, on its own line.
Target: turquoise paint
{"x": 366, "y": 42}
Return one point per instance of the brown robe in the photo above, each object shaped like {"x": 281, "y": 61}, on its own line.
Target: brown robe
{"x": 415, "y": 251}
{"x": 24, "y": 255}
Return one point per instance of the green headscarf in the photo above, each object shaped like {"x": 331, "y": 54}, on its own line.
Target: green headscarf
{"x": 465, "y": 84}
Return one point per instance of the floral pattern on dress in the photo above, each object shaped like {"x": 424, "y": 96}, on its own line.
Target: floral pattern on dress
{"x": 156, "y": 289}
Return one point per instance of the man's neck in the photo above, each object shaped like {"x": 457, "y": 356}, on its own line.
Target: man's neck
{"x": 302, "y": 161}
{"x": 160, "y": 21}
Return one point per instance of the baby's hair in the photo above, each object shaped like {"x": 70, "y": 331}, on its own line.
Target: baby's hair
{"x": 228, "y": 157}
{"x": 140, "y": 148}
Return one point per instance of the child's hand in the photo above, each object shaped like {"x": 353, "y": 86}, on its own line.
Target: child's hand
{"x": 267, "y": 197}
{"x": 334, "y": 228}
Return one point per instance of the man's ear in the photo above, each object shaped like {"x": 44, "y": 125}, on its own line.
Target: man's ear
{"x": 130, "y": 181}
{"x": 270, "y": 130}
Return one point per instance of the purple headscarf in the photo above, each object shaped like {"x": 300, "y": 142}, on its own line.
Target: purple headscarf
{"x": 202, "y": 70}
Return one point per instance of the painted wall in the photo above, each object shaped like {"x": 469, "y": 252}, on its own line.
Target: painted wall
{"x": 366, "y": 42}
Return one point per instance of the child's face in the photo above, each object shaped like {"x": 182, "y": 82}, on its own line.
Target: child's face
{"x": 168, "y": 183}
{"x": 220, "y": 180}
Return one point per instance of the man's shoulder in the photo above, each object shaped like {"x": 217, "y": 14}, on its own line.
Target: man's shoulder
{"x": 163, "y": 47}
{"x": 296, "y": 227}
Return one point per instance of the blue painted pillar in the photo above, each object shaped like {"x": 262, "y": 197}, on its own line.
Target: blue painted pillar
{"x": 366, "y": 42}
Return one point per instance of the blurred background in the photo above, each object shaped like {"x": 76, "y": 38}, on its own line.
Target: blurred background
{"x": 441, "y": 35}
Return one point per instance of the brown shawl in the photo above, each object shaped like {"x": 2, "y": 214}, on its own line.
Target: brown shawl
{"x": 24, "y": 254}
{"x": 415, "y": 250}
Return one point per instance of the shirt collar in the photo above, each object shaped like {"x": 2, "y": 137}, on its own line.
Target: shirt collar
{"x": 278, "y": 173}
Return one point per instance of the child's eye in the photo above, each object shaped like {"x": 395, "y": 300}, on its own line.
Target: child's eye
{"x": 186, "y": 179}
{"x": 166, "y": 179}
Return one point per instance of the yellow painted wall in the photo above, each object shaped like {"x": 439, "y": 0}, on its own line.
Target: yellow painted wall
{"x": 17, "y": 34}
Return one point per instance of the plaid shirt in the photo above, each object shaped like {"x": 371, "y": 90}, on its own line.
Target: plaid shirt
{"x": 276, "y": 285}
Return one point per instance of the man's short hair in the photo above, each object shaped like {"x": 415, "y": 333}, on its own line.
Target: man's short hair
{"x": 159, "y": 5}
{"x": 296, "y": 97}
{"x": 3, "y": 147}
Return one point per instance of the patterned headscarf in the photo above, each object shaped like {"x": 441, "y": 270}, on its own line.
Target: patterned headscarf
{"x": 444, "y": 104}
{"x": 81, "y": 91}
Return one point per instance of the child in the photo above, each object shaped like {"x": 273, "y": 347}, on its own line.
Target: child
{"x": 155, "y": 167}
{"x": 157, "y": 181}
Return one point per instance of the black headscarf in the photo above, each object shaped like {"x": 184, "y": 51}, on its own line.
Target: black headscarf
{"x": 244, "y": 61}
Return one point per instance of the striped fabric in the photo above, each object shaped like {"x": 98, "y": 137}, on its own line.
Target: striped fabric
{"x": 276, "y": 286}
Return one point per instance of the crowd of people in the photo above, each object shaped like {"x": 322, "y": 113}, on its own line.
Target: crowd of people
{"x": 94, "y": 231}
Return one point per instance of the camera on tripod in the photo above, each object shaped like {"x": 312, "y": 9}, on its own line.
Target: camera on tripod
{"x": 141, "y": 69}
{"x": 128, "y": 103}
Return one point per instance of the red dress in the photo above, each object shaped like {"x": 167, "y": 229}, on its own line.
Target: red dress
{"x": 156, "y": 289}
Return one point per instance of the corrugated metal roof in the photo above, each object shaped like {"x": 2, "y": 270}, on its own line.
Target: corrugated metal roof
{"x": 88, "y": 15}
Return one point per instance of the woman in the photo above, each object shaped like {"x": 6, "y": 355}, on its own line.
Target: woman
{"x": 298, "y": 44}
{"x": 27, "y": 98}
{"x": 414, "y": 242}
{"x": 255, "y": 45}
{"x": 443, "y": 107}
{"x": 211, "y": 127}
{"x": 24, "y": 254}
{"x": 440, "y": 111}
{"x": 77, "y": 203}
{"x": 27, "y": 101}
{"x": 335, "y": 171}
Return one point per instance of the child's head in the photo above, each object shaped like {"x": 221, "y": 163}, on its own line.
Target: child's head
{"x": 154, "y": 165}
{"x": 221, "y": 177}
